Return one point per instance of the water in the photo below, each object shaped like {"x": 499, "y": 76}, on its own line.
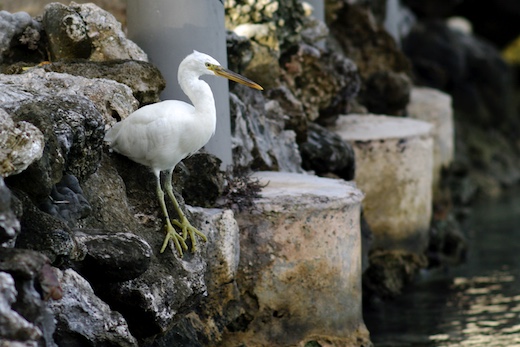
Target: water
{"x": 476, "y": 305}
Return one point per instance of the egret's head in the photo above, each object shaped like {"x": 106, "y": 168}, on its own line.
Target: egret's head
{"x": 209, "y": 65}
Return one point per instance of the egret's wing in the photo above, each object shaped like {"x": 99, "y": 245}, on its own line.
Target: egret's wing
{"x": 149, "y": 135}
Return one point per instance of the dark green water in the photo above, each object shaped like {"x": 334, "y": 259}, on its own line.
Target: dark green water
{"x": 477, "y": 304}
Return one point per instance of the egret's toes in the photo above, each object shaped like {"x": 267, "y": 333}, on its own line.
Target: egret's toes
{"x": 192, "y": 231}
{"x": 177, "y": 239}
{"x": 188, "y": 229}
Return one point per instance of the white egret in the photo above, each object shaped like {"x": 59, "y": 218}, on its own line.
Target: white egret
{"x": 160, "y": 135}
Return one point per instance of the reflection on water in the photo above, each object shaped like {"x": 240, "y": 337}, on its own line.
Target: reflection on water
{"x": 476, "y": 305}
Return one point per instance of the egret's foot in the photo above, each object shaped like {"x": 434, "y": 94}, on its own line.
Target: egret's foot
{"x": 188, "y": 229}
{"x": 177, "y": 239}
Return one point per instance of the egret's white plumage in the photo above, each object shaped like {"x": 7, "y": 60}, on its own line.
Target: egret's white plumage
{"x": 160, "y": 135}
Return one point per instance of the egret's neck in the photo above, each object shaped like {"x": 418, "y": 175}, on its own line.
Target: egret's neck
{"x": 199, "y": 93}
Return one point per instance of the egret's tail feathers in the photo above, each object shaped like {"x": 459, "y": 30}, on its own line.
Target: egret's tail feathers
{"x": 112, "y": 133}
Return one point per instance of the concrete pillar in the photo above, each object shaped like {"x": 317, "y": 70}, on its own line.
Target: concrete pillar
{"x": 434, "y": 106}
{"x": 394, "y": 168}
{"x": 300, "y": 263}
{"x": 170, "y": 30}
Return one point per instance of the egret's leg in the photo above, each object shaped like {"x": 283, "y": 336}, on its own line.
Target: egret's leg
{"x": 183, "y": 222}
{"x": 171, "y": 233}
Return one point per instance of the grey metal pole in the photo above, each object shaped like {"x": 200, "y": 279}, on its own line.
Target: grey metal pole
{"x": 169, "y": 30}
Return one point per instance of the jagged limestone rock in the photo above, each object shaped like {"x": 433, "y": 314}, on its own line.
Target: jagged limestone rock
{"x": 9, "y": 224}
{"x": 87, "y": 31}
{"x": 20, "y": 38}
{"x": 259, "y": 138}
{"x": 325, "y": 152}
{"x": 27, "y": 281}
{"x": 384, "y": 69}
{"x": 83, "y": 318}
{"x": 145, "y": 80}
{"x": 21, "y": 143}
{"x": 110, "y": 98}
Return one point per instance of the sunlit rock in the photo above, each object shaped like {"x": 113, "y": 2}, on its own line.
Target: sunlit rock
{"x": 263, "y": 34}
{"x": 264, "y": 47}
{"x": 286, "y": 16}
{"x": 66, "y": 32}
{"x": 110, "y": 98}
{"x": 87, "y": 31}
{"x": 73, "y": 129}
{"x": 71, "y": 112}
{"x": 308, "y": 81}
{"x": 144, "y": 79}
{"x": 14, "y": 325}
{"x": 81, "y": 316}
{"x": 21, "y": 143}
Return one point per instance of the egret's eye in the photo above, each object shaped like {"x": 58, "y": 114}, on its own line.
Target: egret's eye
{"x": 207, "y": 64}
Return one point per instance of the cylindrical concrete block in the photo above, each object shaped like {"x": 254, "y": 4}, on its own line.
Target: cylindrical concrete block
{"x": 435, "y": 107}
{"x": 300, "y": 263}
{"x": 394, "y": 160}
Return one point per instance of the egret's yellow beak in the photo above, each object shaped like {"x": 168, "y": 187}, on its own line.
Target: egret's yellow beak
{"x": 223, "y": 72}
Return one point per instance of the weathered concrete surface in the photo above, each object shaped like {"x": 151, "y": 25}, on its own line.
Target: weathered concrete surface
{"x": 434, "y": 106}
{"x": 394, "y": 160}
{"x": 300, "y": 264}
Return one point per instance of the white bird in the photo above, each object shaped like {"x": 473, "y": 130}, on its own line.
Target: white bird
{"x": 160, "y": 135}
